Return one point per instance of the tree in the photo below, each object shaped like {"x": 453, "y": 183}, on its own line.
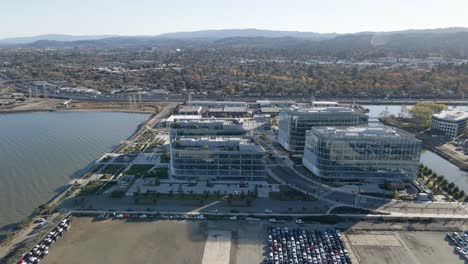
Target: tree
{"x": 422, "y": 112}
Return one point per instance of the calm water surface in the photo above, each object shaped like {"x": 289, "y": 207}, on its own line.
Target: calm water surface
{"x": 41, "y": 152}
{"x": 438, "y": 164}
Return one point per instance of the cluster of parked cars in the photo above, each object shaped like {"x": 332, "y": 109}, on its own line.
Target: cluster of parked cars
{"x": 151, "y": 214}
{"x": 41, "y": 249}
{"x": 461, "y": 243}
{"x": 297, "y": 246}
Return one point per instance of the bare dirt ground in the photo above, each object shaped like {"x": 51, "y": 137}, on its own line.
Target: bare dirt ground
{"x": 32, "y": 104}
{"x": 402, "y": 247}
{"x": 44, "y": 104}
{"x": 118, "y": 241}
{"x": 129, "y": 242}
{"x": 450, "y": 150}
{"x": 111, "y": 106}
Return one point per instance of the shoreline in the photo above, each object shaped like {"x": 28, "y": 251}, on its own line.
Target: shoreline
{"x": 461, "y": 165}
{"x": 56, "y": 105}
{"x": 74, "y": 111}
{"x": 445, "y": 156}
{"x": 15, "y": 229}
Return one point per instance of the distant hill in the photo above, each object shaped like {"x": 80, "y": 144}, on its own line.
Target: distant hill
{"x": 230, "y": 33}
{"x": 451, "y": 42}
{"x": 54, "y": 37}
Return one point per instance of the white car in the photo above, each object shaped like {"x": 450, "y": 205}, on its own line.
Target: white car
{"x": 119, "y": 216}
{"x": 233, "y": 218}
{"x": 201, "y": 217}
{"x": 214, "y": 210}
{"x": 268, "y": 211}
{"x": 299, "y": 221}
{"x": 143, "y": 216}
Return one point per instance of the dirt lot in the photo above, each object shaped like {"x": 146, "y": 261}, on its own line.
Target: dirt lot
{"x": 115, "y": 241}
{"x": 402, "y": 247}
{"x": 111, "y": 106}
{"x": 44, "y": 104}
{"x": 162, "y": 241}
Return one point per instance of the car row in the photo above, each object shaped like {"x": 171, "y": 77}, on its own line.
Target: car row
{"x": 41, "y": 249}
{"x": 461, "y": 243}
{"x": 135, "y": 215}
{"x": 297, "y": 246}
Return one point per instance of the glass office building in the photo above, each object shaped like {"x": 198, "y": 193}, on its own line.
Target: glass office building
{"x": 217, "y": 158}
{"x": 362, "y": 153}
{"x": 294, "y": 122}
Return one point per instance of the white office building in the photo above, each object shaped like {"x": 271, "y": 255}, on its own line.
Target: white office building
{"x": 451, "y": 123}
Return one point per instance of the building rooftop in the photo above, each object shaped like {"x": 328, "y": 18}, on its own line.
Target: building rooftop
{"x": 235, "y": 109}
{"x": 324, "y": 103}
{"x": 189, "y": 108}
{"x": 172, "y": 118}
{"x": 331, "y": 109}
{"x": 270, "y": 109}
{"x": 216, "y": 103}
{"x": 216, "y": 109}
{"x": 453, "y": 115}
{"x": 216, "y": 143}
{"x": 362, "y": 132}
{"x": 210, "y": 121}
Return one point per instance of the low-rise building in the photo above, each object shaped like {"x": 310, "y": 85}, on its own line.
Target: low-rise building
{"x": 294, "y": 121}
{"x": 217, "y": 159}
{"x": 173, "y": 118}
{"x": 191, "y": 110}
{"x": 451, "y": 123}
{"x": 272, "y": 110}
{"x": 235, "y": 111}
{"x": 362, "y": 154}
{"x": 217, "y": 103}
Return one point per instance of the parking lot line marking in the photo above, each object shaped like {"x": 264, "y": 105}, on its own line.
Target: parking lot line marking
{"x": 217, "y": 248}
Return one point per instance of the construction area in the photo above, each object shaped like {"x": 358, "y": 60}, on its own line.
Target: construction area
{"x": 382, "y": 247}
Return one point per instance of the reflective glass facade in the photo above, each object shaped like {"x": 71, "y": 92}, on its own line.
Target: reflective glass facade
{"x": 294, "y": 122}
{"x": 362, "y": 153}
{"x": 215, "y": 158}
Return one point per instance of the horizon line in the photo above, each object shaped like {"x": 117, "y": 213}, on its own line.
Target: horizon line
{"x": 201, "y": 30}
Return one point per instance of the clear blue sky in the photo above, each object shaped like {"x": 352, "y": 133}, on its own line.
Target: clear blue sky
{"x": 152, "y": 17}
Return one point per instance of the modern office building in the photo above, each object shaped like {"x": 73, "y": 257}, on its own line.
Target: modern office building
{"x": 217, "y": 159}
{"x": 451, "y": 123}
{"x": 362, "y": 154}
{"x": 293, "y": 123}
{"x": 207, "y": 127}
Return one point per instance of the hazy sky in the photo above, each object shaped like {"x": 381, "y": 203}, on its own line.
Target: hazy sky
{"x": 152, "y": 17}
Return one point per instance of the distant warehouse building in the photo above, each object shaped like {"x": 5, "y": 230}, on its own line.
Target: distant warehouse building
{"x": 217, "y": 158}
{"x": 451, "y": 123}
{"x": 294, "y": 121}
{"x": 221, "y": 104}
{"x": 362, "y": 153}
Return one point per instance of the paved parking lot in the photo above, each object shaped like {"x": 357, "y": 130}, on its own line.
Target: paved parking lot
{"x": 402, "y": 247}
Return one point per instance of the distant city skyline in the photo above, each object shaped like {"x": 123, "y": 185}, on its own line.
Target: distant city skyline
{"x": 22, "y": 18}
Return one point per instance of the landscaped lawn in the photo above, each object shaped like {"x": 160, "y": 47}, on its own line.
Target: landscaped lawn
{"x": 139, "y": 169}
